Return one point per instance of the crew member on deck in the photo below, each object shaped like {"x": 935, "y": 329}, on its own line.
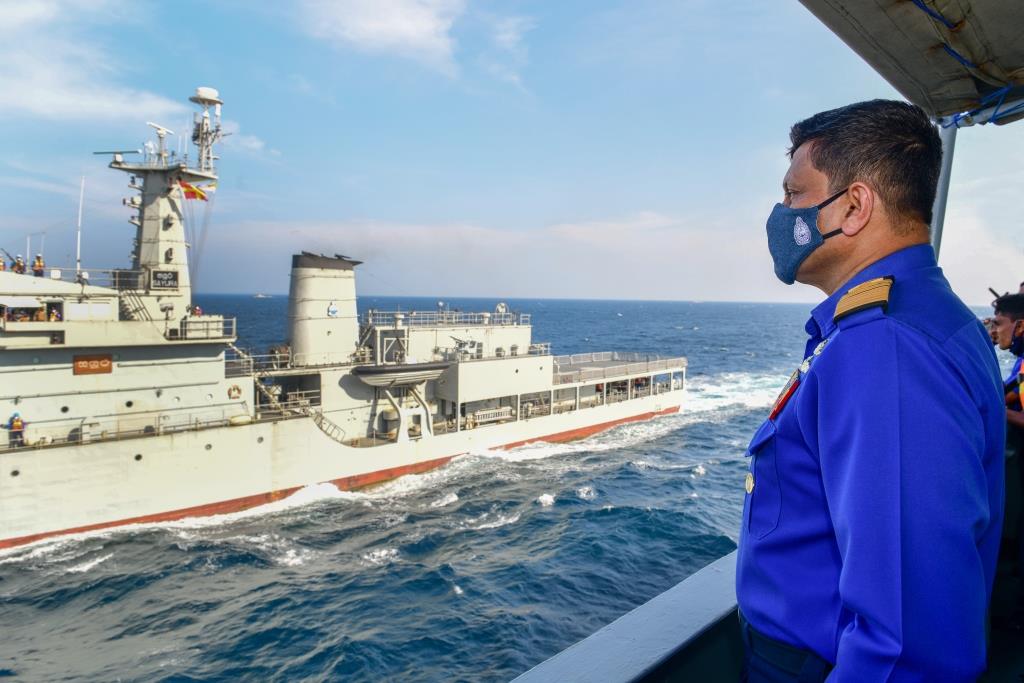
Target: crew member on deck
{"x": 16, "y": 428}
{"x": 1008, "y": 334}
{"x": 38, "y": 266}
{"x": 873, "y": 506}
{"x": 19, "y": 265}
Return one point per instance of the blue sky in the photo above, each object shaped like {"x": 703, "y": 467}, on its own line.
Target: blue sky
{"x": 588, "y": 149}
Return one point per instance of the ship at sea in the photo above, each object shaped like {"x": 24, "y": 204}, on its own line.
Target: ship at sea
{"x": 137, "y": 406}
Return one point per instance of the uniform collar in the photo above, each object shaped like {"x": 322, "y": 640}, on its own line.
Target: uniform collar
{"x": 896, "y": 264}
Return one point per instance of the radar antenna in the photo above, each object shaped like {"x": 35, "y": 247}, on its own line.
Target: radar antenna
{"x": 161, "y": 134}
{"x": 205, "y": 133}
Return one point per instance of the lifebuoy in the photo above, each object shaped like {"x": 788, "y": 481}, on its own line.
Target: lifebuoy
{"x": 234, "y": 391}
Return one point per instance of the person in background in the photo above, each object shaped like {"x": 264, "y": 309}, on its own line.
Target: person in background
{"x": 19, "y": 265}
{"x": 1008, "y": 326}
{"x": 16, "y": 428}
{"x": 873, "y": 509}
{"x": 38, "y": 266}
{"x": 54, "y": 315}
{"x": 3, "y": 265}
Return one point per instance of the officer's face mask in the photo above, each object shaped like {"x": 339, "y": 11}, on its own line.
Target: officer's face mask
{"x": 793, "y": 234}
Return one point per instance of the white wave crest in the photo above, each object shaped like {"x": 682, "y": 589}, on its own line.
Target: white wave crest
{"x": 586, "y": 493}
{"x": 546, "y": 500}
{"x": 381, "y": 556}
{"x": 731, "y": 389}
{"x": 86, "y": 566}
{"x": 478, "y": 523}
{"x": 446, "y": 499}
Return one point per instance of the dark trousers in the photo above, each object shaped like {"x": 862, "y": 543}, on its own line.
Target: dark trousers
{"x": 767, "y": 660}
{"x": 17, "y": 438}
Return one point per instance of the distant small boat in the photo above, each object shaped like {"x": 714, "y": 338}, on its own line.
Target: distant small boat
{"x": 260, "y": 296}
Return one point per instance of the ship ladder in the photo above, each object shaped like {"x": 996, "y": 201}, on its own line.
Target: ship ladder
{"x": 132, "y": 306}
{"x": 327, "y": 426}
{"x": 259, "y": 375}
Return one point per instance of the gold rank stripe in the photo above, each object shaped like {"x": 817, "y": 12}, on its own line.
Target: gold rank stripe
{"x": 865, "y": 295}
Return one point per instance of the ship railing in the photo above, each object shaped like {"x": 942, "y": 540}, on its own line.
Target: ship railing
{"x": 294, "y": 403}
{"x": 236, "y": 365}
{"x": 211, "y": 327}
{"x": 440, "y": 318}
{"x": 68, "y": 432}
{"x": 248, "y": 364}
{"x": 465, "y": 356}
{"x": 571, "y": 369}
{"x": 113, "y": 279}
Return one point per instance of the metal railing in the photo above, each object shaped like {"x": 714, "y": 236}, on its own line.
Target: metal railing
{"x": 245, "y": 364}
{"x": 213, "y": 327}
{"x": 114, "y": 279}
{"x": 440, "y": 318}
{"x": 91, "y": 430}
{"x": 570, "y": 369}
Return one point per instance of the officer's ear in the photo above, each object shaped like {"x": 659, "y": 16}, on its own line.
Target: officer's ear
{"x": 859, "y": 206}
{"x": 1018, "y": 327}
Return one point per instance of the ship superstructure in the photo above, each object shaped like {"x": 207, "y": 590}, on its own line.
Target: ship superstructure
{"x": 139, "y": 407}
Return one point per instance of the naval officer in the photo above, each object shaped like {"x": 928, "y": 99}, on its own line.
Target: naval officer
{"x": 874, "y": 499}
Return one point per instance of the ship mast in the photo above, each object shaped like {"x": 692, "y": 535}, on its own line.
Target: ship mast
{"x": 162, "y": 178}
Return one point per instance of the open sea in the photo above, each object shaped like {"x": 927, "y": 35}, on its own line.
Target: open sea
{"x": 472, "y": 572}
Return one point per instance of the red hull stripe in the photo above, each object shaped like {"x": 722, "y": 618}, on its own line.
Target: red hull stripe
{"x": 344, "y": 484}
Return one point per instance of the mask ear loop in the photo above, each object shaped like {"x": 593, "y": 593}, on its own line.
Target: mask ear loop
{"x": 819, "y": 207}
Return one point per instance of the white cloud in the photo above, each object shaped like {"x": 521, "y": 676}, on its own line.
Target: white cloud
{"x": 974, "y": 258}
{"x": 644, "y": 256}
{"x": 509, "y": 32}
{"x": 414, "y": 29}
{"x": 233, "y": 137}
{"x": 509, "y": 55}
{"x": 51, "y": 71}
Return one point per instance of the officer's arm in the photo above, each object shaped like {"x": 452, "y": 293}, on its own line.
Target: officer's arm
{"x": 1015, "y": 417}
{"x": 901, "y": 445}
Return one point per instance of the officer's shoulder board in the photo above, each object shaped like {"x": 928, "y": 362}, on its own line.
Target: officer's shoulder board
{"x": 864, "y": 296}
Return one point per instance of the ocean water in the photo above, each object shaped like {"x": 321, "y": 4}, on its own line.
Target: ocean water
{"x": 472, "y": 572}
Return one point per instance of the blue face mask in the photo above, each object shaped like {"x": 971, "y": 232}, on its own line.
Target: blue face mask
{"x": 793, "y": 235}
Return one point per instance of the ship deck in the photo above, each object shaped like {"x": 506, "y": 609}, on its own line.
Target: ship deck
{"x": 586, "y": 367}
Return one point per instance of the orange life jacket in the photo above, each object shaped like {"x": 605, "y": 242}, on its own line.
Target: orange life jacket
{"x": 17, "y": 425}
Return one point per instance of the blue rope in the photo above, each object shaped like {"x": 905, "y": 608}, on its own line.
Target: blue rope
{"x": 933, "y": 14}
{"x": 997, "y": 113}
{"x": 959, "y": 57}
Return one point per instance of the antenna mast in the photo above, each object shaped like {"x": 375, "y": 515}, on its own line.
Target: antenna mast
{"x": 205, "y": 133}
{"x": 78, "y": 240}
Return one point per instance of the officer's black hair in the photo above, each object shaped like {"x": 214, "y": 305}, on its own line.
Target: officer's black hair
{"x": 1011, "y": 305}
{"x": 890, "y": 145}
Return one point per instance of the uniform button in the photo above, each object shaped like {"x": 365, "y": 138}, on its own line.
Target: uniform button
{"x": 749, "y": 485}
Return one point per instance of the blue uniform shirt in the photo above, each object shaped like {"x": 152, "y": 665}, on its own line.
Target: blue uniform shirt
{"x": 871, "y": 531}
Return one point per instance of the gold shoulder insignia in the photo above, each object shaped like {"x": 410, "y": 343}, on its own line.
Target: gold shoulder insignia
{"x": 865, "y": 295}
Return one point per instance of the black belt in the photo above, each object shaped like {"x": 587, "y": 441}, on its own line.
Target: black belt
{"x": 803, "y": 665}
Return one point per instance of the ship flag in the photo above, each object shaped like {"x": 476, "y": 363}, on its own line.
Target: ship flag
{"x": 192, "y": 192}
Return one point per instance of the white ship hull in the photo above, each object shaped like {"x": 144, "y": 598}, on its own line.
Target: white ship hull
{"x": 226, "y": 469}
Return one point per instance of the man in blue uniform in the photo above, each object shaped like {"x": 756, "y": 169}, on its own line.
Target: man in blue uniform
{"x": 874, "y": 500}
